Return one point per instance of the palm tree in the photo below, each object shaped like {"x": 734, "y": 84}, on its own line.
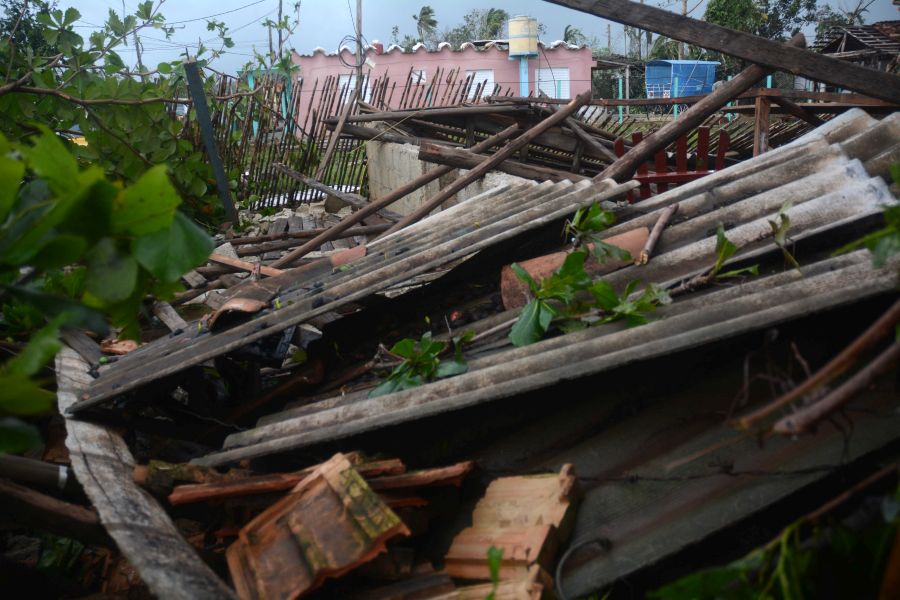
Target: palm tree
{"x": 425, "y": 22}
{"x": 494, "y": 21}
{"x": 572, "y": 35}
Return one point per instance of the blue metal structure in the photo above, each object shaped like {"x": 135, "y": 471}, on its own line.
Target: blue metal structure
{"x": 694, "y": 77}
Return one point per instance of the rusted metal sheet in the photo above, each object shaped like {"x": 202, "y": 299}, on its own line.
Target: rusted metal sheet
{"x": 331, "y": 523}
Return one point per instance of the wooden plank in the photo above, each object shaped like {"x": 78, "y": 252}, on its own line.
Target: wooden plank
{"x": 335, "y": 137}
{"x": 171, "y": 319}
{"x": 465, "y": 159}
{"x": 140, "y": 527}
{"x": 762, "y": 51}
{"x": 242, "y": 265}
{"x": 29, "y": 508}
{"x": 798, "y": 111}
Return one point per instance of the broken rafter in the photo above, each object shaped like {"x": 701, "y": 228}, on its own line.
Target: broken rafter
{"x": 466, "y": 159}
{"x": 400, "y": 192}
{"x": 489, "y": 163}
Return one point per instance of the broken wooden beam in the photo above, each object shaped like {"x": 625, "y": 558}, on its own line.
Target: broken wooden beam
{"x": 758, "y": 50}
{"x": 478, "y": 172}
{"x": 798, "y": 111}
{"x": 387, "y": 200}
{"x": 242, "y": 265}
{"x": 29, "y": 508}
{"x": 304, "y": 234}
{"x": 453, "y": 111}
{"x": 624, "y": 168}
{"x": 357, "y": 202}
{"x": 761, "y": 125}
{"x": 466, "y": 159}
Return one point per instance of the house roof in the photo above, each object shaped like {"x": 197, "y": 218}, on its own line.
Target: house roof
{"x": 478, "y": 45}
{"x": 883, "y": 36}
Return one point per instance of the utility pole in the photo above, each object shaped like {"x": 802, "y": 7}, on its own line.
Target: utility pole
{"x": 280, "y": 40}
{"x": 681, "y": 44}
{"x": 609, "y": 38}
{"x": 359, "y": 51}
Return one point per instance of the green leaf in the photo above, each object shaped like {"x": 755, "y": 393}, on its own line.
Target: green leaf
{"x": 59, "y": 251}
{"x": 111, "y": 276}
{"x": 164, "y": 68}
{"x": 76, "y": 313}
{"x": 147, "y": 206}
{"x": 449, "y": 368}
{"x": 405, "y": 348}
{"x": 525, "y": 277}
{"x": 42, "y": 347}
{"x": 22, "y": 396}
{"x": 17, "y": 437}
{"x": 604, "y": 252}
{"x": 604, "y": 294}
{"x": 532, "y": 323}
{"x": 172, "y": 252}
{"x": 11, "y": 172}
{"x": 50, "y": 160}
{"x": 71, "y": 16}
{"x": 495, "y": 559}
{"x": 751, "y": 270}
{"x": 724, "y": 249}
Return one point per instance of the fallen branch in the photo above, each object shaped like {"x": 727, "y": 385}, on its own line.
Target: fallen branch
{"x": 644, "y": 257}
{"x": 808, "y": 417}
{"x": 881, "y": 328}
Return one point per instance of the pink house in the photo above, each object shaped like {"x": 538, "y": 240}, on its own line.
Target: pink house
{"x": 560, "y": 70}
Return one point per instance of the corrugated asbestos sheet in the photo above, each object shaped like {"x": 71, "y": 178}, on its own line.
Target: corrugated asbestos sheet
{"x": 823, "y": 181}
{"x": 447, "y": 236}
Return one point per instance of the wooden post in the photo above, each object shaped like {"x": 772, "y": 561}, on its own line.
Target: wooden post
{"x": 335, "y": 137}
{"x": 624, "y": 168}
{"x": 768, "y": 53}
{"x": 761, "y": 125}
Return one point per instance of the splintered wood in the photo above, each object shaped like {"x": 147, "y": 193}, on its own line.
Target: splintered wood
{"x": 526, "y": 517}
{"x": 329, "y": 524}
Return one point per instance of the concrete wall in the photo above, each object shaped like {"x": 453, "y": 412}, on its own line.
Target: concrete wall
{"x": 392, "y": 165}
{"x": 316, "y": 67}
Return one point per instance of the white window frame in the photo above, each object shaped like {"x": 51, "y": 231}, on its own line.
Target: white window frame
{"x": 342, "y": 81}
{"x": 418, "y": 77}
{"x": 478, "y": 76}
{"x": 554, "y": 82}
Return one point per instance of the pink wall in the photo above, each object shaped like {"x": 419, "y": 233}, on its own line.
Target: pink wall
{"x": 319, "y": 65}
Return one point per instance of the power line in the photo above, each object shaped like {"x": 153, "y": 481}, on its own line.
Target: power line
{"x": 215, "y": 15}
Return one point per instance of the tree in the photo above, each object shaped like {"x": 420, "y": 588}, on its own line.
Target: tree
{"x": 827, "y": 17}
{"x": 478, "y": 24}
{"x": 425, "y": 22}
{"x": 19, "y": 24}
{"x": 573, "y": 35}
{"x": 773, "y": 19}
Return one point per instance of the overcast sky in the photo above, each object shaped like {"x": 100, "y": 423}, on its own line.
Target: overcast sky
{"x": 324, "y": 22}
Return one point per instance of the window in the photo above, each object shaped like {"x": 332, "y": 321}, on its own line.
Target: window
{"x": 481, "y": 76}
{"x": 417, "y": 77}
{"x": 343, "y": 80}
{"x": 554, "y": 82}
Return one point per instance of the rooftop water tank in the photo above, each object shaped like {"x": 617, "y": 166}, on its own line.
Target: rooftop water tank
{"x": 523, "y": 37}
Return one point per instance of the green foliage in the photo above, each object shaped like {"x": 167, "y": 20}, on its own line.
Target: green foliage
{"x": 725, "y": 249}
{"x": 421, "y": 363}
{"x": 780, "y": 226}
{"x": 584, "y": 229}
{"x": 885, "y": 242}
{"x": 495, "y": 560}
{"x": 122, "y": 239}
{"x": 794, "y": 566}
{"x": 561, "y": 295}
